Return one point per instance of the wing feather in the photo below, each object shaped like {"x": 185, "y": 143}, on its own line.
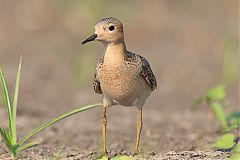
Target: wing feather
{"x": 147, "y": 73}
{"x": 96, "y": 81}
{"x": 145, "y": 70}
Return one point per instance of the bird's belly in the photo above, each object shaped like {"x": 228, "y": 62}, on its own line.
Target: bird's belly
{"x": 122, "y": 86}
{"x": 118, "y": 86}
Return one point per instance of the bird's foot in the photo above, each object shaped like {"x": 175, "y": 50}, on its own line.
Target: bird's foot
{"x": 105, "y": 154}
{"x": 137, "y": 151}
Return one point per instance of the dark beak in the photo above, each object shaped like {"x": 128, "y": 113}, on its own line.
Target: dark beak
{"x": 91, "y": 38}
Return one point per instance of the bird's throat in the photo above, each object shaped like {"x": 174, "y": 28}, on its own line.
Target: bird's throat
{"x": 115, "y": 54}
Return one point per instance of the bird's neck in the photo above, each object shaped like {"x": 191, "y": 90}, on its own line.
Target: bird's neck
{"x": 115, "y": 53}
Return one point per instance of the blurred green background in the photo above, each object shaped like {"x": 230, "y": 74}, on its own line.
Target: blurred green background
{"x": 184, "y": 42}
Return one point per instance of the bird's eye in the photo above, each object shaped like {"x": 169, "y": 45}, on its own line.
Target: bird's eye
{"x": 111, "y": 28}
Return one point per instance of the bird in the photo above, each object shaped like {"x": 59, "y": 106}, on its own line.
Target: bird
{"x": 122, "y": 77}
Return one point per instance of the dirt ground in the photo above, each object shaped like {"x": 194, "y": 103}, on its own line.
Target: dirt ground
{"x": 184, "y": 43}
{"x": 179, "y": 135}
{"x": 75, "y": 154}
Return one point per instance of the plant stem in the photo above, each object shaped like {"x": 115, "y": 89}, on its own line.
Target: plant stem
{"x": 14, "y": 104}
{"x": 7, "y": 101}
{"x": 219, "y": 113}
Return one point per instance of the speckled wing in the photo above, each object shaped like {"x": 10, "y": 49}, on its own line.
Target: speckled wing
{"x": 146, "y": 70}
{"x": 96, "y": 82}
{"x": 147, "y": 73}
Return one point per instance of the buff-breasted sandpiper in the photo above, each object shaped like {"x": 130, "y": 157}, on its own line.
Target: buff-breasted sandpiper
{"x": 122, "y": 77}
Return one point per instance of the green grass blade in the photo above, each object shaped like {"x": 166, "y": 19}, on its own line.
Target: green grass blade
{"x": 235, "y": 153}
{"x": 51, "y": 122}
{"x": 58, "y": 155}
{"x": 7, "y": 101}
{"x": 26, "y": 146}
{"x": 5, "y": 89}
{"x": 14, "y": 106}
{"x": 219, "y": 113}
{"x": 6, "y": 139}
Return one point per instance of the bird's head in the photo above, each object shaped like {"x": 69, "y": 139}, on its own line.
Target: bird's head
{"x": 107, "y": 30}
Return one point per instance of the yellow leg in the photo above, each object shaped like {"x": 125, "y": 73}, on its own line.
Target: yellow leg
{"x": 104, "y": 125}
{"x": 139, "y": 130}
